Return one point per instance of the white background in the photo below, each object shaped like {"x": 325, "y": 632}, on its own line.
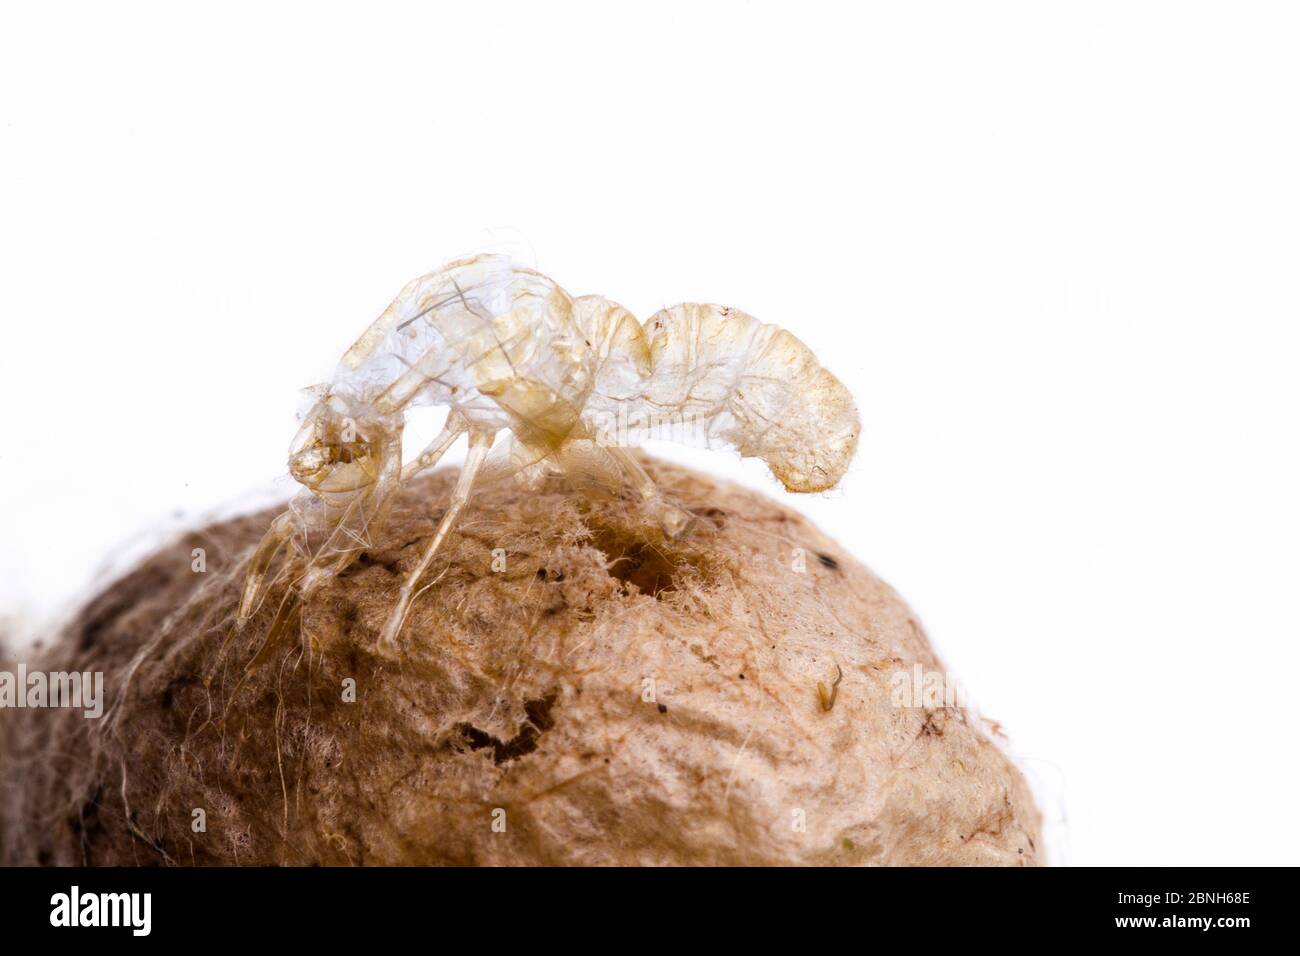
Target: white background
{"x": 1052, "y": 250}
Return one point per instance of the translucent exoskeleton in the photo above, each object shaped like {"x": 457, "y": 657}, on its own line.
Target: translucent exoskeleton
{"x": 573, "y": 382}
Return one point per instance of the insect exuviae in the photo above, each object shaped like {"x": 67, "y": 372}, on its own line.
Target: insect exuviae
{"x": 508, "y": 351}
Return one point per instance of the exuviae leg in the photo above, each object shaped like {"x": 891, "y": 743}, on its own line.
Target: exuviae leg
{"x": 480, "y": 441}
{"x": 672, "y": 517}
{"x": 352, "y": 532}
{"x": 453, "y": 429}
{"x": 281, "y": 530}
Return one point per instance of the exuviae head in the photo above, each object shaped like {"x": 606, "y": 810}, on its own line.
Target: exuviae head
{"x": 343, "y": 444}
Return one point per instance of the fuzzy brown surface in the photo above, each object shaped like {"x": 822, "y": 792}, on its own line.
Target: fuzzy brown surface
{"x": 521, "y": 691}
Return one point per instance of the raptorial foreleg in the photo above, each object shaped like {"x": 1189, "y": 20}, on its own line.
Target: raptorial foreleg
{"x": 353, "y": 529}
{"x": 259, "y": 564}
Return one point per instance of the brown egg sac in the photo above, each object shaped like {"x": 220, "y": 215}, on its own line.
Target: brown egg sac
{"x": 570, "y": 688}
